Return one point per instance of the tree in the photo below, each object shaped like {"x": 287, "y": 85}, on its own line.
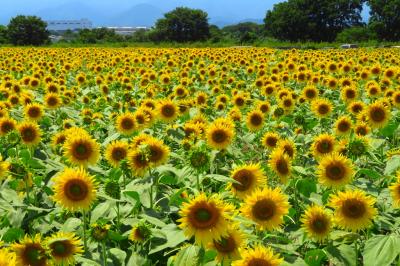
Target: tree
{"x": 385, "y": 18}
{"x": 356, "y": 34}
{"x": 245, "y": 32}
{"x": 28, "y": 30}
{"x": 3, "y": 34}
{"x": 183, "y": 25}
{"x": 316, "y": 20}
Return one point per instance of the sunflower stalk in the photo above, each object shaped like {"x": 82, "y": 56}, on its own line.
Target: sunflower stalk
{"x": 84, "y": 235}
{"x": 104, "y": 251}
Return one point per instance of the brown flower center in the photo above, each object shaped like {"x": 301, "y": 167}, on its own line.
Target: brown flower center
{"x": 264, "y": 209}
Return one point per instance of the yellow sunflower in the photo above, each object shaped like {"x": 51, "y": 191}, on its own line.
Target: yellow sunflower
{"x": 288, "y": 147}
{"x": 74, "y": 190}
{"x": 395, "y": 192}
{"x": 7, "y": 258}
{"x": 125, "y": 123}
{"x": 30, "y": 251}
{"x": 33, "y": 111}
{"x": 4, "y": 167}
{"x": 343, "y": 125}
{"x": 7, "y": 125}
{"x": 266, "y": 207}
{"x": 270, "y": 139}
{"x": 377, "y": 115}
{"x": 116, "y": 152}
{"x": 323, "y": 144}
{"x": 255, "y": 120}
{"x": 30, "y": 133}
{"x": 335, "y": 170}
{"x": 354, "y": 210}
{"x": 138, "y": 161}
{"x": 259, "y": 255}
{"x": 317, "y": 222}
{"x": 250, "y": 178}
{"x": 63, "y": 247}
{"x": 280, "y": 164}
{"x": 139, "y": 233}
{"x": 81, "y": 149}
{"x": 167, "y": 110}
{"x": 219, "y": 135}
{"x": 205, "y": 218}
{"x": 229, "y": 246}
{"x": 158, "y": 151}
{"x": 321, "y": 107}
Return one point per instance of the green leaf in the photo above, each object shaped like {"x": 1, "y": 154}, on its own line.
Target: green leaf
{"x": 12, "y": 235}
{"x": 381, "y": 250}
{"x": 306, "y": 186}
{"x": 300, "y": 170}
{"x": 315, "y": 257}
{"x": 120, "y": 255}
{"x": 342, "y": 255}
{"x": 71, "y": 224}
{"x": 101, "y": 210}
{"x": 174, "y": 237}
{"x": 392, "y": 165}
{"x": 187, "y": 256}
{"x": 369, "y": 173}
{"x": 388, "y": 131}
{"x": 222, "y": 178}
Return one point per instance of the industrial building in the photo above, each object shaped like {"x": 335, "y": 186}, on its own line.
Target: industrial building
{"x": 63, "y": 25}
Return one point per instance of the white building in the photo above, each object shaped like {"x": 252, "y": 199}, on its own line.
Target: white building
{"x": 63, "y": 25}
{"x": 126, "y": 30}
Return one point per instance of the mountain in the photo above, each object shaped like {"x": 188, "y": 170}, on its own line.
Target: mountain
{"x": 138, "y": 15}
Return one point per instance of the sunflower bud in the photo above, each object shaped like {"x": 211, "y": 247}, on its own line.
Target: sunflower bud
{"x": 112, "y": 189}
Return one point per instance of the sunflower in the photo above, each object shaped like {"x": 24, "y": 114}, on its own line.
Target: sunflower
{"x": 4, "y": 167}
{"x": 7, "y": 125}
{"x": 74, "y": 189}
{"x": 362, "y": 129}
{"x": 219, "y": 135}
{"x": 281, "y": 164}
{"x": 63, "y": 247}
{"x": 30, "y": 251}
{"x": 7, "y": 258}
{"x": 343, "y": 125}
{"x": 377, "y": 115}
{"x": 323, "y": 144}
{"x": 33, "y": 111}
{"x": 125, "y": 123}
{"x": 259, "y": 255}
{"x": 228, "y": 247}
{"x": 266, "y": 207}
{"x": 335, "y": 170}
{"x": 349, "y": 94}
{"x": 321, "y": 107}
{"x": 138, "y": 161}
{"x": 158, "y": 151}
{"x": 310, "y": 93}
{"x": 255, "y": 120}
{"x": 270, "y": 139}
{"x": 395, "y": 192}
{"x": 288, "y": 147}
{"x": 167, "y": 110}
{"x": 52, "y": 100}
{"x": 116, "y": 152}
{"x": 250, "y": 177}
{"x": 317, "y": 222}
{"x": 140, "y": 233}
{"x": 205, "y": 218}
{"x": 354, "y": 209}
{"x": 30, "y": 133}
{"x": 81, "y": 149}
{"x": 356, "y": 107}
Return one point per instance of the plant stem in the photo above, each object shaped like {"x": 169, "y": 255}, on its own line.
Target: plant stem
{"x": 118, "y": 219}
{"x": 356, "y": 249}
{"x": 84, "y": 234}
{"x": 27, "y": 190}
{"x": 103, "y": 245}
{"x": 198, "y": 181}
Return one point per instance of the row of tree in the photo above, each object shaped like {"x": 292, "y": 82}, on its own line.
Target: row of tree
{"x": 292, "y": 20}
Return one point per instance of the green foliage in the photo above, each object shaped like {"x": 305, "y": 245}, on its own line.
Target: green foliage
{"x": 356, "y": 34}
{"x": 182, "y": 25}
{"x": 246, "y": 32}
{"x": 98, "y": 35}
{"x": 27, "y": 30}
{"x": 385, "y": 19}
{"x": 3, "y": 35}
{"x": 319, "y": 20}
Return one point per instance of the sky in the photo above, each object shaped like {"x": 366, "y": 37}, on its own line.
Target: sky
{"x": 104, "y": 11}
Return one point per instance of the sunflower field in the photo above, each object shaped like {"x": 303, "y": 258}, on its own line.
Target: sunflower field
{"x": 186, "y": 157}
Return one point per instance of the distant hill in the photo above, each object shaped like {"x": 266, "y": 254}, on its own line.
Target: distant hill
{"x": 138, "y": 15}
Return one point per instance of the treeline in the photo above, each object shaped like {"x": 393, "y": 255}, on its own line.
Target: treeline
{"x": 292, "y": 20}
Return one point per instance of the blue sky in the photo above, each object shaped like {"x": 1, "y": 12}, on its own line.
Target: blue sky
{"x": 217, "y": 9}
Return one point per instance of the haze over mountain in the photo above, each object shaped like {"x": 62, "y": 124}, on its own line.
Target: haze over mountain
{"x": 136, "y": 12}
